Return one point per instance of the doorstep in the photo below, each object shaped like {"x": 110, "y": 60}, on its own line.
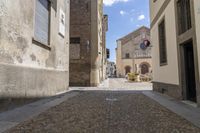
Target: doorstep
{"x": 193, "y": 104}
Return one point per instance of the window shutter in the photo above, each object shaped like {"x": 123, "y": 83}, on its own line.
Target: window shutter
{"x": 42, "y": 21}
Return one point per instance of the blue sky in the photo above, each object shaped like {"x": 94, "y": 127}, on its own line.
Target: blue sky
{"x": 124, "y": 17}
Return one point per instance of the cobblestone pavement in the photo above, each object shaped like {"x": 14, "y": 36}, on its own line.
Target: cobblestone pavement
{"x": 107, "y": 112}
{"x": 123, "y": 84}
{"x": 118, "y": 84}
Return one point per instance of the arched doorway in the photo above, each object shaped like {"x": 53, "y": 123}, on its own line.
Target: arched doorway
{"x": 144, "y": 68}
{"x": 127, "y": 69}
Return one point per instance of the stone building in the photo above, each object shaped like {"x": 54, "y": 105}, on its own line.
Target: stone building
{"x": 88, "y": 28}
{"x": 34, "y": 47}
{"x": 105, "y": 54}
{"x": 175, "y": 32}
{"x": 133, "y": 53}
{"x": 111, "y": 69}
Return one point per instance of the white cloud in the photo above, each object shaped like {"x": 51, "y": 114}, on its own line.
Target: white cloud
{"x": 141, "y": 17}
{"x": 111, "y": 2}
{"x": 122, "y": 12}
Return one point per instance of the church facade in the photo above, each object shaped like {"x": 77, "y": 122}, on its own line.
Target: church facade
{"x": 133, "y": 53}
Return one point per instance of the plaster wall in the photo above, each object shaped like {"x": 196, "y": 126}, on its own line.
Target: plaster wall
{"x": 167, "y": 73}
{"x": 21, "y": 56}
{"x": 197, "y": 27}
{"x": 155, "y": 6}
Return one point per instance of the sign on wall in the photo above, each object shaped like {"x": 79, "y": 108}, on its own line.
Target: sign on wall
{"x": 62, "y": 23}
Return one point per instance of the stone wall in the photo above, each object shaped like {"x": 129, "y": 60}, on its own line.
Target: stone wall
{"x": 86, "y": 26}
{"x": 96, "y": 41}
{"x": 118, "y": 58}
{"x": 29, "y": 68}
{"x": 130, "y": 44}
{"x": 104, "y": 49}
{"x": 80, "y": 27}
{"x": 168, "y": 89}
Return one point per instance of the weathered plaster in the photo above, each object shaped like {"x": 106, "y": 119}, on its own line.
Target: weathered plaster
{"x": 18, "y": 52}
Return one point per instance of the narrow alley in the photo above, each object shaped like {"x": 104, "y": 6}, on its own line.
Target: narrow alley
{"x": 100, "y": 66}
{"x": 104, "y": 111}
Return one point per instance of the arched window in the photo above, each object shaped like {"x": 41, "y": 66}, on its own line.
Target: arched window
{"x": 144, "y": 68}
{"x": 127, "y": 69}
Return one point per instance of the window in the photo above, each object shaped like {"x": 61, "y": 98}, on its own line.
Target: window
{"x": 108, "y": 53}
{"x": 184, "y": 15}
{"x": 127, "y": 55}
{"x": 144, "y": 69}
{"x": 75, "y": 48}
{"x": 42, "y": 21}
{"x": 75, "y": 40}
{"x": 162, "y": 43}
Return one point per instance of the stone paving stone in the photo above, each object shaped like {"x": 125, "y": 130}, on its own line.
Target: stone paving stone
{"x": 107, "y": 112}
{"x": 6, "y": 125}
{"x": 123, "y": 84}
{"x": 11, "y": 118}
